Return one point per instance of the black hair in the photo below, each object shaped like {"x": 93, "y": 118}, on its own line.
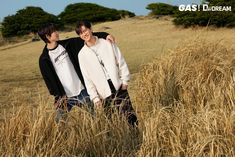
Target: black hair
{"x": 79, "y": 25}
{"x": 46, "y": 29}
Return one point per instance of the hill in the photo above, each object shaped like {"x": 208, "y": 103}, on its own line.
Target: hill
{"x": 140, "y": 40}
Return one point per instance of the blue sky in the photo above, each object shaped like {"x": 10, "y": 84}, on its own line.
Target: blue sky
{"x": 9, "y": 7}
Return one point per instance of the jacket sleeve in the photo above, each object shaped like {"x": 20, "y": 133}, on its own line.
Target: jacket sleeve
{"x": 91, "y": 89}
{"x": 101, "y": 34}
{"x": 45, "y": 76}
{"x": 122, "y": 65}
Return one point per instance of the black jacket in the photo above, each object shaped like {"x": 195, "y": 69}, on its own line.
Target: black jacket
{"x": 72, "y": 46}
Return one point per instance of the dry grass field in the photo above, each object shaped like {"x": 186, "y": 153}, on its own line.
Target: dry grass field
{"x": 184, "y": 97}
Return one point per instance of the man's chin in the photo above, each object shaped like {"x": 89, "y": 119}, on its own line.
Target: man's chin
{"x": 87, "y": 39}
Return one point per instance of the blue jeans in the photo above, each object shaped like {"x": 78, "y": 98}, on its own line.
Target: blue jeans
{"x": 80, "y": 100}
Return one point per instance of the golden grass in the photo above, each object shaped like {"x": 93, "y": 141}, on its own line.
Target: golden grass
{"x": 189, "y": 97}
{"x": 185, "y": 104}
{"x": 33, "y": 132}
{"x": 184, "y": 98}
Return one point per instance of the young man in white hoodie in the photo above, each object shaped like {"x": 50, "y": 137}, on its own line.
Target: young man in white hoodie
{"x": 105, "y": 72}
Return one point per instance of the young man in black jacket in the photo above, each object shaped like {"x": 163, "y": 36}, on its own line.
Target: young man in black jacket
{"x": 61, "y": 71}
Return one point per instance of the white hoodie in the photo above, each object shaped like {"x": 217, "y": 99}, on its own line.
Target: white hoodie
{"x": 93, "y": 72}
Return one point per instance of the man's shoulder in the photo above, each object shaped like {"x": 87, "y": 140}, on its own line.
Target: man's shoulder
{"x": 44, "y": 53}
{"x": 44, "y": 56}
{"x": 83, "y": 51}
{"x": 104, "y": 43}
{"x": 102, "y": 40}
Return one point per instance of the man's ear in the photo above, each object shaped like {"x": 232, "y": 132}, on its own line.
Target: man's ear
{"x": 48, "y": 37}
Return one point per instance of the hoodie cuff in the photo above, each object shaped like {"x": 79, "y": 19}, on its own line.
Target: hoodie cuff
{"x": 95, "y": 100}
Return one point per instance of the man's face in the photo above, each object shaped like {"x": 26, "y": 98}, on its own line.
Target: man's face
{"x": 85, "y": 33}
{"x": 54, "y": 37}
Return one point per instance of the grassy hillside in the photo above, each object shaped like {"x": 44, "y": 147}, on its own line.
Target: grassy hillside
{"x": 139, "y": 39}
{"x": 164, "y": 130}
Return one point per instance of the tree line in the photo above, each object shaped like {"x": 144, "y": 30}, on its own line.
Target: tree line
{"x": 28, "y": 20}
{"x": 190, "y": 17}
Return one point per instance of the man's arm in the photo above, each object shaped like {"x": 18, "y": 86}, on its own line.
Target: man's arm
{"x": 48, "y": 82}
{"x": 105, "y": 35}
{"x": 45, "y": 75}
{"x": 122, "y": 66}
{"x": 101, "y": 34}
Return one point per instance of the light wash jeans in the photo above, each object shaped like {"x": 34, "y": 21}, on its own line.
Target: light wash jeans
{"x": 80, "y": 100}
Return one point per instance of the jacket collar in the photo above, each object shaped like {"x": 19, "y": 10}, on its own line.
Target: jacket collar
{"x": 96, "y": 42}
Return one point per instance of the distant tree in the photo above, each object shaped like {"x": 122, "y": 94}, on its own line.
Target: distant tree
{"x": 161, "y": 9}
{"x": 91, "y": 12}
{"x": 125, "y": 13}
{"x": 221, "y": 3}
{"x": 26, "y": 21}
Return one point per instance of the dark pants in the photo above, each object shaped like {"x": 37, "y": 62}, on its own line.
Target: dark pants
{"x": 121, "y": 101}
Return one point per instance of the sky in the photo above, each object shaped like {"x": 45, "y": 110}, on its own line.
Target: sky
{"x": 10, "y": 7}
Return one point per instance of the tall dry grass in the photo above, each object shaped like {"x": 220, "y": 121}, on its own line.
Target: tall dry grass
{"x": 185, "y": 103}
{"x": 33, "y": 132}
{"x": 190, "y": 99}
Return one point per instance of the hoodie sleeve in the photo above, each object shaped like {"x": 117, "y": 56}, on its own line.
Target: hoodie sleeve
{"x": 122, "y": 66}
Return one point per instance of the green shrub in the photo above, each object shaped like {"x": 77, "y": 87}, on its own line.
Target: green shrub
{"x": 161, "y": 9}
{"x": 125, "y": 13}
{"x": 91, "y": 12}
{"x": 26, "y": 21}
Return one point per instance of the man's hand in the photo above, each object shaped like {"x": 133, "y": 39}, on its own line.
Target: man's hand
{"x": 124, "y": 86}
{"x": 98, "y": 104}
{"x": 110, "y": 38}
{"x": 61, "y": 102}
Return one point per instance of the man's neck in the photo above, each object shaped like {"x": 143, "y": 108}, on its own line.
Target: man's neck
{"x": 52, "y": 45}
{"x": 91, "y": 42}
